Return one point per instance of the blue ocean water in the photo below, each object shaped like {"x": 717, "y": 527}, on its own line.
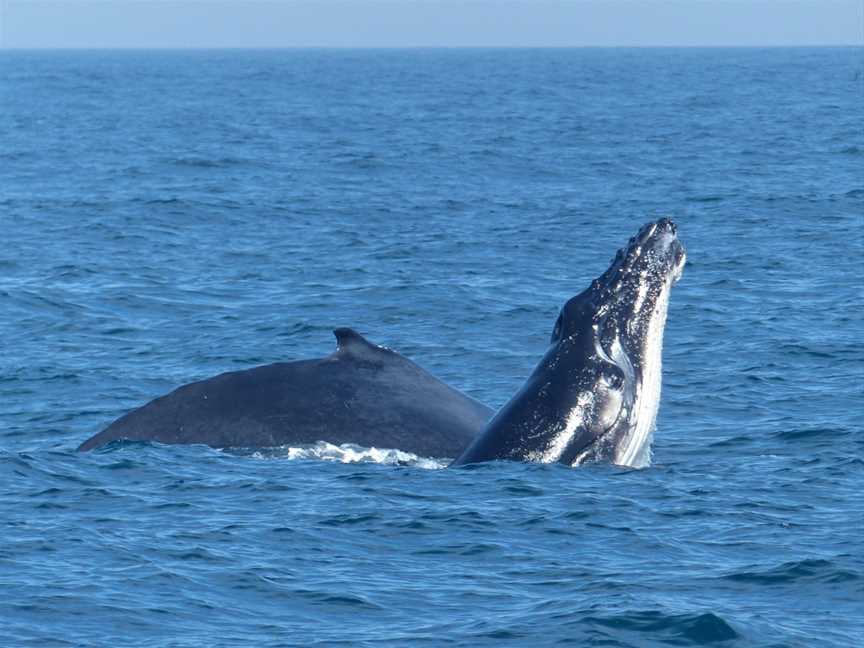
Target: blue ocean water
{"x": 167, "y": 216}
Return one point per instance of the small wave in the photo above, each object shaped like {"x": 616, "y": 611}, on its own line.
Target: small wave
{"x": 350, "y": 453}
{"x": 208, "y": 163}
{"x": 708, "y": 198}
{"x": 340, "y": 599}
{"x": 731, "y": 441}
{"x": 852, "y": 150}
{"x": 699, "y": 628}
{"x": 795, "y": 349}
{"x": 812, "y": 433}
{"x": 810, "y": 570}
{"x": 349, "y": 519}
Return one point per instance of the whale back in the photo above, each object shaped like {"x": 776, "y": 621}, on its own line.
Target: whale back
{"x": 362, "y": 393}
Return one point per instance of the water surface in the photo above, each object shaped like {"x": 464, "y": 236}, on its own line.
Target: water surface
{"x": 168, "y": 216}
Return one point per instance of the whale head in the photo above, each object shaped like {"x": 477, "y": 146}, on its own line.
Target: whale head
{"x": 595, "y": 393}
{"x": 618, "y": 323}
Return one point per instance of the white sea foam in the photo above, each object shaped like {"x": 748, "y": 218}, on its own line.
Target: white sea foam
{"x": 350, "y": 453}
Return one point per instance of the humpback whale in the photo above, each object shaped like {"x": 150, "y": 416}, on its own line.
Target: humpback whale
{"x": 594, "y": 395}
{"x": 362, "y": 393}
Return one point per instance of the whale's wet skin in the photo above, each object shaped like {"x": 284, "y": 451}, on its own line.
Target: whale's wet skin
{"x": 361, "y": 394}
{"x": 595, "y": 394}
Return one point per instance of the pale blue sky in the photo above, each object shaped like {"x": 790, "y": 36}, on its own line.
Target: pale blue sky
{"x": 407, "y": 23}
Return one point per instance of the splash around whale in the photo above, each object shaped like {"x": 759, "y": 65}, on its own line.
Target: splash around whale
{"x": 594, "y": 395}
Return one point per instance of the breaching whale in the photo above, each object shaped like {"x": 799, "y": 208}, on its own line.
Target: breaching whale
{"x": 595, "y": 394}
{"x": 362, "y": 394}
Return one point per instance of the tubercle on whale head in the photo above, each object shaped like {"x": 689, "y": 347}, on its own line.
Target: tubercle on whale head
{"x": 655, "y": 248}
{"x": 629, "y": 288}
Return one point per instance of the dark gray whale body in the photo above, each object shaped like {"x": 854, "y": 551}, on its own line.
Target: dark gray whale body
{"x": 362, "y": 394}
{"x": 594, "y": 396}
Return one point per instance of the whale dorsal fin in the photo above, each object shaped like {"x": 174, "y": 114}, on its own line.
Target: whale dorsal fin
{"x": 350, "y": 341}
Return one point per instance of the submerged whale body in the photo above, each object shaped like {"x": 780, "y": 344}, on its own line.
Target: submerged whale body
{"x": 595, "y": 394}
{"x": 362, "y": 394}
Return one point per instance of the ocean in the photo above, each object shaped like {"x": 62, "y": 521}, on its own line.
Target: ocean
{"x": 170, "y": 215}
